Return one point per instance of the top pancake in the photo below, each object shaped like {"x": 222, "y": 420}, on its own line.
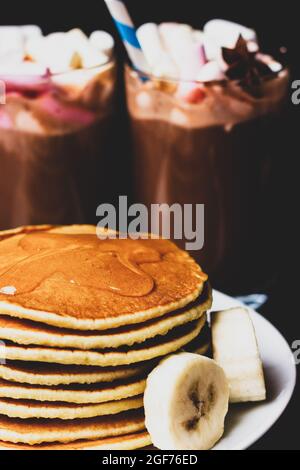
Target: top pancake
{"x": 68, "y": 277}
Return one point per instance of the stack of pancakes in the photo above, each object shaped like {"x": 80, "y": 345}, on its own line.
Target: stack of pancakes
{"x": 82, "y": 322}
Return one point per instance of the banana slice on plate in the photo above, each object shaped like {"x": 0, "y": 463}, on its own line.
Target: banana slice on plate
{"x": 235, "y": 349}
{"x": 186, "y": 402}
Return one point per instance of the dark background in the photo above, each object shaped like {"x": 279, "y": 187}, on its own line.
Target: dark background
{"x": 277, "y": 24}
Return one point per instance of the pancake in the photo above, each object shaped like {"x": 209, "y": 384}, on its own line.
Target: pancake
{"x": 38, "y": 373}
{"x": 127, "y": 442}
{"x": 153, "y": 348}
{"x": 26, "y": 409}
{"x": 27, "y": 332}
{"x": 76, "y": 394}
{"x": 37, "y": 431}
{"x": 75, "y": 280}
{"x": 202, "y": 344}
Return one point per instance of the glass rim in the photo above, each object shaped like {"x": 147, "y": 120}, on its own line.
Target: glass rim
{"x": 147, "y": 76}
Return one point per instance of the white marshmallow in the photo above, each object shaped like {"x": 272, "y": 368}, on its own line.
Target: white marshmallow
{"x": 103, "y": 41}
{"x": 64, "y": 51}
{"x": 210, "y": 72}
{"x": 149, "y": 39}
{"x": 53, "y": 51}
{"x": 34, "y": 48}
{"x": 76, "y": 80}
{"x": 268, "y": 60}
{"x": 76, "y": 37}
{"x": 31, "y": 31}
{"x": 198, "y": 35}
{"x": 226, "y": 33}
{"x": 252, "y": 46}
{"x": 11, "y": 60}
{"x": 179, "y": 41}
{"x": 222, "y": 33}
{"x": 161, "y": 64}
{"x": 11, "y": 40}
{"x": 88, "y": 55}
{"x": 213, "y": 50}
{"x": 20, "y": 69}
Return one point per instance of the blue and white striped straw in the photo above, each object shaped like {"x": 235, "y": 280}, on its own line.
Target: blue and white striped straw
{"x": 127, "y": 32}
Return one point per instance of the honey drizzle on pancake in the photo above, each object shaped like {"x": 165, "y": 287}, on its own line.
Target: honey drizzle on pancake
{"x": 116, "y": 265}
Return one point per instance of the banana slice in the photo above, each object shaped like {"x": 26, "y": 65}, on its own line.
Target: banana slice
{"x": 186, "y": 401}
{"x": 235, "y": 349}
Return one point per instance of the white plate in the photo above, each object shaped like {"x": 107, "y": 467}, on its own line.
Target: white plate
{"x": 247, "y": 423}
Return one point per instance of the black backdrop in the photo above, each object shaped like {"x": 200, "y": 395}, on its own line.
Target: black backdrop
{"x": 277, "y": 24}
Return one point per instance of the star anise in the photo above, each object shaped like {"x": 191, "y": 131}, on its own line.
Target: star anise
{"x": 244, "y": 66}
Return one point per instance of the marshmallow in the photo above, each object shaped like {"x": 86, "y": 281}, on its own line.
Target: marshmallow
{"x": 11, "y": 60}
{"x": 210, "y": 72}
{"x": 88, "y": 55}
{"x": 226, "y": 33}
{"x": 274, "y": 66}
{"x": 179, "y": 41}
{"x": 161, "y": 64}
{"x": 223, "y": 28}
{"x": 11, "y": 40}
{"x": 213, "y": 50}
{"x": 149, "y": 39}
{"x": 53, "y": 52}
{"x": 103, "y": 42}
{"x": 198, "y": 35}
{"x": 76, "y": 37}
{"x": 253, "y": 46}
{"x": 64, "y": 51}
{"x": 22, "y": 69}
{"x": 77, "y": 79}
{"x": 31, "y": 31}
